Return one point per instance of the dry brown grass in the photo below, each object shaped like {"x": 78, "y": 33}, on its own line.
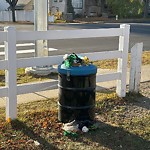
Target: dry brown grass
{"x": 104, "y": 64}
{"x": 112, "y": 64}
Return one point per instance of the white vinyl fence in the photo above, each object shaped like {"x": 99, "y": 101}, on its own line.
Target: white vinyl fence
{"x": 21, "y": 15}
{"x": 10, "y": 36}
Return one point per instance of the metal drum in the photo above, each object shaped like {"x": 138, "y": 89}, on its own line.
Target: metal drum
{"x": 76, "y": 93}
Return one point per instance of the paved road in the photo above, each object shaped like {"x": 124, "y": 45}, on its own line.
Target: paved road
{"x": 140, "y": 32}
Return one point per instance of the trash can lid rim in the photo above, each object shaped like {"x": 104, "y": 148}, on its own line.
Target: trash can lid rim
{"x": 78, "y": 71}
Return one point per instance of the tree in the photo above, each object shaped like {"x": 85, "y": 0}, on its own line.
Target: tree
{"x": 146, "y": 4}
{"x": 126, "y": 8}
{"x": 12, "y": 4}
{"x": 70, "y": 8}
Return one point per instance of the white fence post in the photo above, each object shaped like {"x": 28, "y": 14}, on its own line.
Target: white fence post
{"x": 10, "y": 74}
{"x": 135, "y": 67}
{"x": 122, "y": 62}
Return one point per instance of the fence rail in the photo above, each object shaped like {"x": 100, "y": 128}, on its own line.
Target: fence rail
{"x": 10, "y": 37}
{"x": 68, "y": 34}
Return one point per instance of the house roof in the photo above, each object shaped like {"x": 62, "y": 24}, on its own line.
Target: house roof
{"x": 23, "y": 2}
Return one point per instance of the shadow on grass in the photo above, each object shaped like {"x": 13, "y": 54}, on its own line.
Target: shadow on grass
{"x": 19, "y": 125}
{"x": 110, "y": 137}
{"x": 50, "y": 76}
{"x": 138, "y": 99}
{"x": 101, "y": 89}
{"x": 116, "y": 138}
{"x": 143, "y": 102}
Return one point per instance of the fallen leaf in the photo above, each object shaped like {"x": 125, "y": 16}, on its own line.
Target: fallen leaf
{"x": 36, "y": 143}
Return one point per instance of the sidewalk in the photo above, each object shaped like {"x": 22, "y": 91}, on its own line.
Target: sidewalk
{"x": 24, "y": 98}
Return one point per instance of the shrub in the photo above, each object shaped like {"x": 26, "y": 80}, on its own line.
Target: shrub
{"x": 126, "y": 8}
{"x": 70, "y": 8}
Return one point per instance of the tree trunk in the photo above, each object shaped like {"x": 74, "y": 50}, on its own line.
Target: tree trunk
{"x": 13, "y": 15}
{"x": 102, "y": 5}
{"x": 12, "y": 4}
{"x": 146, "y": 8}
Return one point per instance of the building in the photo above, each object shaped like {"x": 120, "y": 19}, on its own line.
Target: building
{"x": 26, "y": 4}
{"x": 81, "y": 7}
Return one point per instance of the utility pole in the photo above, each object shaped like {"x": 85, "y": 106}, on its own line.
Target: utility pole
{"x": 41, "y": 24}
{"x": 41, "y": 46}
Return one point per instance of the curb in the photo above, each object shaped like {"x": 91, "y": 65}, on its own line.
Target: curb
{"x": 86, "y": 22}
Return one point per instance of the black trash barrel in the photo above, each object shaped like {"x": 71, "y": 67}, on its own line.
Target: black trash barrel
{"x": 76, "y": 93}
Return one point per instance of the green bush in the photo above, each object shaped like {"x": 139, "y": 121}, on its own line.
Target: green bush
{"x": 126, "y": 8}
{"x": 70, "y": 8}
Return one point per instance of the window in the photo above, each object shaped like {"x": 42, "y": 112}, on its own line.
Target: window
{"x": 60, "y": 0}
{"x": 55, "y": 0}
{"x": 78, "y": 4}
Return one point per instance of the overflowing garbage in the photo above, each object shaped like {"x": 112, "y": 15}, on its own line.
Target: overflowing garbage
{"x": 75, "y": 127}
{"x": 73, "y": 60}
{"x": 77, "y": 83}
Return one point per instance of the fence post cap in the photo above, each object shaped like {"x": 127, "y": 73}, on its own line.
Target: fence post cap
{"x": 124, "y": 26}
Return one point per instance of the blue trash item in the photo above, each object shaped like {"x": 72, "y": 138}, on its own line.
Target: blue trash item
{"x": 76, "y": 93}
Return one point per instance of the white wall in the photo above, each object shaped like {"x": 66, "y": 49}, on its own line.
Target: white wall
{"x": 21, "y": 15}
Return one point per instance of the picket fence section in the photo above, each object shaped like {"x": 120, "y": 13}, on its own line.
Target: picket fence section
{"x": 10, "y": 37}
